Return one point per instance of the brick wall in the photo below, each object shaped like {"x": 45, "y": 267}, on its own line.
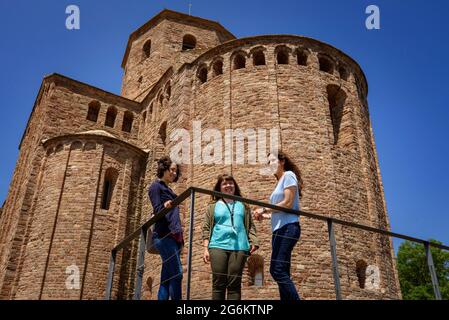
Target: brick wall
{"x": 53, "y": 217}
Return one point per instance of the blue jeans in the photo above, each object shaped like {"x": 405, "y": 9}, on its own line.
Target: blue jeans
{"x": 283, "y": 242}
{"x": 171, "y": 272}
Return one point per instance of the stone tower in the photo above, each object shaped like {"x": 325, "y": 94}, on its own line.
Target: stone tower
{"x": 87, "y": 157}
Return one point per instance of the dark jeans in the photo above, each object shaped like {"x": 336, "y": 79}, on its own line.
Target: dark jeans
{"x": 171, "y": 272}
{"x": 283, "y": 242}
{"x": 227, "y": 268}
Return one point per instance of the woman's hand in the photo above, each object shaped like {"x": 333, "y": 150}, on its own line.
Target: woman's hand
{"x": 252, "y": 249}
{"x": 168, "y": 204}
{"x": 258, "y": 214}
{"x": 206, "y": 256}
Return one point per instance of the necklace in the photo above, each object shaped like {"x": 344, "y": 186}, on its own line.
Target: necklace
{"x": 232, "y": 214}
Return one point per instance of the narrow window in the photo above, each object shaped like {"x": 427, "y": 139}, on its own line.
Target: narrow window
{"x": 188, "y": 42}
{"x": 326, "y": 65}
{"x": 144, "y": 117}
{"x": 77, "y": 145}
{"x": 282, "y": 56}
{"x": 217, "y": 68}
{"x": 147, "y": 49}
{"x": 150, "y": 287}
{"x": 259, "y": 58}
{"x": 239, "y": 62}
{"x": 302, "y": 58}
{"x": 127, "y": 121}
{"x": 161, "y": 99}
{"x": 94, "y": 109}
{"x": 343, "y": 73}
{"x": 110, "y": 117}
{"x": 163, "y": 133}
{"x": 168, "y": 91}
{"x": 336, "y": 98}
{"x": 361, "y": 273}
{"x": 202, "y": 74}
{"x": 110, "y": 179}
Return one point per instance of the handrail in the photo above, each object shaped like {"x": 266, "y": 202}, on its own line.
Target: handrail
{"x": 141, "y": 231}
{"x": 152, "y": 220}
{"x": 187, "y": 192}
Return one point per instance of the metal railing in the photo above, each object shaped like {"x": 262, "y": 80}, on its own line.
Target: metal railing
{"x": 190, "y": 192}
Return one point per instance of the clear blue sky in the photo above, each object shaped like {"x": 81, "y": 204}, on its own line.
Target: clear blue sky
{"x": 406, "y": 63}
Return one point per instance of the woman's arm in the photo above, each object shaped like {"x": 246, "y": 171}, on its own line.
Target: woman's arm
{"x": 155, "y": 198}
{"x": 253, "y": 241}
{"x": 206, "y": 225}
{"x": 289, "y": 200}
{"x": 206, "y": 255}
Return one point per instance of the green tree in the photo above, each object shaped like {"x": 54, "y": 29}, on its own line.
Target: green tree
{"x": 414, "y": 275}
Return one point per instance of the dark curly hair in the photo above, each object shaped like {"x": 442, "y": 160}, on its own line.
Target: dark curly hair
{"x": 164, "y": 164}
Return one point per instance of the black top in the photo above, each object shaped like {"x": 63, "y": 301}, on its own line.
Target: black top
{"x": 160, "y": 193}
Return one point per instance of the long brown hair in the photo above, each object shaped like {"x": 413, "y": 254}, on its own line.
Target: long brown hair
{"x": 220, "y": 179}
{"x": 289, "y": 165}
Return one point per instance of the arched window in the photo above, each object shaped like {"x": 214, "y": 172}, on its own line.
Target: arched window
{"x": 217, "y": 68}
{"x": 302, "y": 57}
{"x": 361, "y": 273}
{"x": 110, "y": 117}
{"x": 59, "y": 148}
{"x": 239, "y": 62}
{"x": 94, "y": 109}
{"x": 168, "y": 90}
{"x": 336, "y": 98}
{"x": 77, "y": 145}
{"x": 282, "y": 56}
{"x": 256, "y": 270}
{"x": 259, "y": 58}
{"x": 110, "y": 179}
{"x": 202, "y": 74}
{"x": 344, "y": 74}
{"x": 326, "y": 64}
{"x": 127, "y": 121}
{"x": 147, "y": 49}
{"x": 161, "y": 98}
{"x": 188, "y": 42}
{"x": 150, "y": 287}
{"x": 163, "y": 133}
{"x": 90, "y": 146}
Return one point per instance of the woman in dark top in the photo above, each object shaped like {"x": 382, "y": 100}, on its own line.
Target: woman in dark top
{"x": 167, "y": 233}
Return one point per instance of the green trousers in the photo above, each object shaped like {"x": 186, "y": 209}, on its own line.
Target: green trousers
{"x": 227, "y": 269}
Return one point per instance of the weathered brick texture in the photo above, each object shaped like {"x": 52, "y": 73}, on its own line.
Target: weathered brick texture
{"x": 54, "y": 217}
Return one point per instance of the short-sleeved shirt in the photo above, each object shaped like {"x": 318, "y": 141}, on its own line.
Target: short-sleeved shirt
{"x": 280, "y": 219}
{"x": 223, "y": 235}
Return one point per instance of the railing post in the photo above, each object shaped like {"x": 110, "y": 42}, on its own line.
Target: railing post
{"x": 110, "y": 275}
{"x": 433, "y": 274}
{"x": 333, "y": 244}
{"x": 189, "y": 256}
{"x": 140, "y": 264}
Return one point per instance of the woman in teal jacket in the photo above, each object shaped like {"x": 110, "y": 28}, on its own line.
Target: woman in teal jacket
{"x": 229, "y": 236}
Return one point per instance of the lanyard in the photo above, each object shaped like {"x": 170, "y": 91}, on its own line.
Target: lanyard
{"x": 232, "y": 214}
